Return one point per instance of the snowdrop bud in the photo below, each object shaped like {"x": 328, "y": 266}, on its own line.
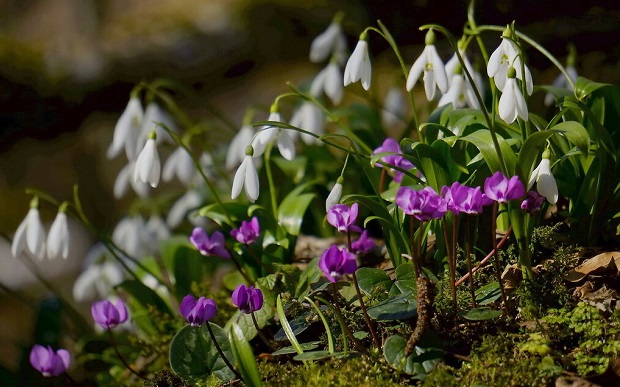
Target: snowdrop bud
{"x": 58, "y": 238}
{"x": 147, "y": 167}
{"x": 179, "y": 164}
{"x": 334, "y": 195}
{"x": 30, "y": 234}
{"x": 127, "y": 130}
{"x": 358, "y": 66}
{"x": 545, "y": 182}
{"x": 246, "y": 176}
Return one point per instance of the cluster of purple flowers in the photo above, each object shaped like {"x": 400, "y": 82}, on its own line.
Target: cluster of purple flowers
{"x": 199, "y": 311}
{"x": 394, "y": 157}
{"x": 215, "y": 245}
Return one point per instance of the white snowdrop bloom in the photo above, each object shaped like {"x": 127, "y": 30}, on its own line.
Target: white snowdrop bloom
{"x": 453, "y": 64}
{"x": 157, "y": 228}
{"x": 30, "y": 234}
{"x": 334, "y": 195}
{"x": 147, "y": 168}
{"x": 127, "y": 130}
{"x": 284, "y": 139}
{"x": 330, "y": 42}
{"x": 179, "y": 164}
{"x": 311, "y": 118}
{"x": 511, "y": 103}
{"x": 358, "y": 66}
{"x": 246, "y": 176}
{"x": 561, "y": 82}
{"x": 502, "y": 59}
{"x": 125, "y": 178}
{"x": 545, "y": 182}
{"x": 130, "y": 236}
{"x": 459, "y": 94}
{"x": 394, "y": 108}
{"x": 97, "y": 281}
{"x": 153, "y": 116}
{"x": 236, "y": 149}
{"x": 431, "y": 65}
{"x": 328, "y": 81}
{"x": 189, "y": 201}
{"x": 58, "y": 239}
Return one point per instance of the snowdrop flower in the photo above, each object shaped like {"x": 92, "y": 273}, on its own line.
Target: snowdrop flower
{"x": 430, "y": 63}
{"x": 330, "y": 42}
{"x": 358, "y": 66}
{"x": 561, "y": 82}
{"x": 394, "y": 108}
{"x": 503, "y": 58}
{"x": 58, "y": 238}
{"x": 125, "y": 178}
{"x": 131, "y": 235}
{"x": 127, "y": 130}
{"x": 179, "y": 164}
{"x": 30, "y": 234}
{"x": 98, "y": 280}
{"x": 545, "y": 182}
{"x": 246, "y": 176}
{"x": 328, "y": 81}
{"x": 511, "y": 103}
{"x": 189, "y": 201}
{"x": 309, "y": 117}
{"x": 157, "y": 228}
{"x": 334, "y": 195}
{"x": 154, "y": 115}
{"x": 236, "y": 149}
{"x": 147, "y": 169}
{"x": 286, "y": 146}
{"x": 459, "y": 94}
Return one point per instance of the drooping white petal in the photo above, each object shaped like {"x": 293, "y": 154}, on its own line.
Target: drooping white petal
{"x": 251, "y": 181}
{"x": 179, "y": 164}
{"x": 19, "y": 239}
{"x": 35, "y": 234}
{"x": 394, "y": 108}
{"x": 127, "y": 129}
{"x": 58, "y": 238}
{"x": 286, "y": 146}
{"x": 533, "y": 177}
{"x": 326, "y": 43}
{"x": 439, "y": 71}
{"x": 332, "y": 85}
{"x": 416, "y": 71}
{"x": 239, "y": 178}
{"x": 154, "y": 117}
{"x": 236, "y": 149}
{"x": 147, "y": 168}
{"x": 545, "y": 182}
{"x": 187, "y": 202}
{"x": 358, "y": 66}
{"x": 334, "y": 196}
{"x": 309, "y": 117}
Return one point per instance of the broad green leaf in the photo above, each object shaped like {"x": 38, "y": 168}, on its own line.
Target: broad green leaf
{"x": 529, "y": 153}
{"x": 401, "y": 307}
{"x": 480, "y": 314}
{"x": 298, "y": 325}
{"x": 483, "y": 141}
{"x": 368, "y": 279}
{"x": 194, "y": 357}
{"x": 289, "y": 350}
{"x": 292, "y": 209}
{"x": 145, "y": 296}
{"x": 418, "y": 364}
{"x": 236, "y": 211}
{"x": 311, "y": 275}
{"x": 315, "y": 355}
{"x": 585, "y": 87}
{"x": 488, "y": 293}
{"x": 244, "y": 357}
{"x": 575, "y": 133}
{"x": 286, "y": 327}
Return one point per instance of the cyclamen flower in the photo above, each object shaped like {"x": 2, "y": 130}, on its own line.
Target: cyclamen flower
{"x": 197, "y": 312}
{"x": 395, "y": 157}
{"x": 502, "y": 59}
{"x": 127, "y": 130}
{"x": 311, "y": 118}
{"x": 461, "y": 198}
{"x": 107, "y": 314}
{"x": 358, "y": 66}
{"x": 268, "y": 134}
{"x": 501, "y": 189}
{"x": 246, "y": 176}
{"x": 58, "y": 238}
{"x": 430, "y": 63}
{"x": 335, "y": 263}
{"x": 343, "y": 217}
{"x": 49, "y": 362}
{"x": 511, "y": 103}
{"x": 424, "y": 205}
{"x": 30, "y": 234}
{"x": 334, "y": 195}
{"x": 247, "y": 299}
{"x": 147, "y": 168}
{"x": 532, "y": 202}
{"x": 213, "y": 245}
{"x": 328, "y": 81}
{"x": 248, "y": 232}
{"x": 545, "y": 182}
{"x": 363, "y": 244}
{"x": 330, "y": 42}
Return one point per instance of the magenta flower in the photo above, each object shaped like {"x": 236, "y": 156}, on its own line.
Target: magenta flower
{"x": 247, "y": 299}
{"x": 49, "y": 362}
{"x": 396, "y": 159}
{"x": 342, "y": 217}
{"x": 363, "y": 244}
{"x": 335, "y": 262}
{"x": 248, "y": 232}
{"x": 107, "y": 314}
{"x": 532, "y": 202}
{"x": 197, "y": 312}
{"x": 213, "y": 245}
{"x": 461, "y": 198}
{"x": 424, "y": 204}
{"x": 501, "y": 189}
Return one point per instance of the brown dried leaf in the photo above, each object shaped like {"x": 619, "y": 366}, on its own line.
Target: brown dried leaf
{"x": 596, "y": 264}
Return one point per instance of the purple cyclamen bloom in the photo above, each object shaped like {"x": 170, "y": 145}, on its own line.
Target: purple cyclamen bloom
{"x": 461, "y": 198}
{"x": 342, "y": 217}
{"x": 424, "y": 204}
{"x": 335, "y": 262}
{"x": 501, "y": 189}
{"x": 213, "y": 245}
{"x": 107, "y": 314}
{"x": 248, "y": 232}
{"x": 197, "y": 312}
{"x": 49, "y": 362}
{"x": 396, "y": 159}
{"x": 363, "y": 244}
{"x": 247, "y": 299}
{"x": 532, "y": 202}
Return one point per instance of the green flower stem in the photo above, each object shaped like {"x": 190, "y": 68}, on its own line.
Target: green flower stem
{"x": 416, "y": 271}
{"x": 328, "y": 331}
{"x": 240, "y": 269}
{"x": 260, "y": 261}
{"x": 517, "y": 219}
{"x": 496, "y": 260}
{"x": 262, "y": 336}
{"x": 219, "y": 350}
{"x": 472, "y": 289}
{"x": 451, "y": 258}
{"x": 340, "y": 317}
{"x": 341, "y": 322}
{"x": 273, "y": 191}
{"x": 118, "y": 354}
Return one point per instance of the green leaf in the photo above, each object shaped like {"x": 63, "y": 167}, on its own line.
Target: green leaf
{"x": 291, "y": 211}
{"x": 244, "y": 357}
{"x": 289, "y": 350}
{"x": 369, "y": 278}
{"x": 418, "y": 364}
{"x": 480, "y": 314}
{"x": 529, "y": 153}
{"x": 286, "y": 327}
{"x": 145, "y": 296}
{"x": 585, "y": 87}
{"x": 185, "y": 264}
{"x": 575, "y": 133}
{"x": 315, "y": 355}
{"x": 483, "y": 141}
{"x": 311, "y": 275}
{"x": 488, "y": 293}
{"x": 236, "y": 211}
{"x": 194, "y": 357}
{"x": 401, "y": 307}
